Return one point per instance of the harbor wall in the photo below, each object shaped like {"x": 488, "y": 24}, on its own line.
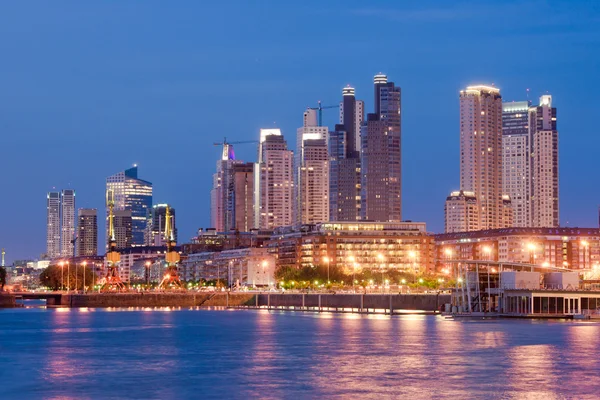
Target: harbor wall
{"x": 7, "y": 300}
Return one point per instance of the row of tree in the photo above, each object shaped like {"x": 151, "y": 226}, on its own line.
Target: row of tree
{"x": 60, "y": 278}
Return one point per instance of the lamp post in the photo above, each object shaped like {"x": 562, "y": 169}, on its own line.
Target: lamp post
{"x": 68, "y": 278}
{"x": 381, "y": 259}
{"x": 148, "y": 274}
{"x": 353, "y": 262}
{"x": 326, "y": 260}
{"x": 62, "y": 272}
{"x": 84, "y": 265}
{"x": 531, "y": 248}
{"x": 413, "y": 256}
{"x": 76, "y": 270}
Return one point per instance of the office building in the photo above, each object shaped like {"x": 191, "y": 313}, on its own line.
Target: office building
{"x": 87, "y": 232}
{"x": 155, "y": 226}
{"x": 544, "y": 134}
{"x": 123, "y": 223}
{"x": 135, "y": 195}
{"x": 517, "y": 152}
{"x": 381, "y": 183}
{"x": 53, "y": 225}
{"x": 274, "y": 181}
{"x": 311, "y": 170}
{"x": 242, "y": 197}
{"x": 344, "y": 160}
{"x": 462, "y": 212}
{"x": 221, "y": 196}
{"x": 67, "y": 218}
{"x": 481, "y": 151}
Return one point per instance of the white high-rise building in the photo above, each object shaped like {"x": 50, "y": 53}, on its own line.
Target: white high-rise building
{"x": 481, "y": 151}
{"x": 311, "y": 172}
{"x": 67, "y": 229}
{"x": 274, "y": 181}
{"x": 53, "y": 225}
{"x": 221, "y": 195}
{"x": 545, "y": 164}
{"x": 516, "y": 160}
{"x": 462, "y": 212}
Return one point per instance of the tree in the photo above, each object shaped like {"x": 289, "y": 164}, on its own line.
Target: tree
{"x": 51, "y": 277}
{"x": 2, "y": 278}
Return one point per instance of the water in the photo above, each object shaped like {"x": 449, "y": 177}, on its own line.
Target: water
{"x": 159, "y": 354}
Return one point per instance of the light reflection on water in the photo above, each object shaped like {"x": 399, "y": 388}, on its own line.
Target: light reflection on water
{"x": 148, "y": 353}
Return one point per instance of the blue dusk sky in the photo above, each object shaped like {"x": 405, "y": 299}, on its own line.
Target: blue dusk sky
{"x": 89, "y": 88}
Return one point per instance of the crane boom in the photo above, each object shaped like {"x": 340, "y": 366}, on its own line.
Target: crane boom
{"x": 320, "y": 109}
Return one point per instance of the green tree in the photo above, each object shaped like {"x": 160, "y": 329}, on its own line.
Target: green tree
{"x": 51, "y": 277}
{"x": 2, "y": 278}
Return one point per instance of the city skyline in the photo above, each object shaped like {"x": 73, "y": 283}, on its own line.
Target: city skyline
{"x": 136, "y": 136}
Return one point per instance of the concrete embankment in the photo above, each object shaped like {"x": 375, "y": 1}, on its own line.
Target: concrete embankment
{"x": 7, "y": 300}
{"x": 312, "y": 301}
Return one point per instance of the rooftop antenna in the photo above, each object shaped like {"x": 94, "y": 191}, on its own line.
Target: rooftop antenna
{"x": 527, "y": 91}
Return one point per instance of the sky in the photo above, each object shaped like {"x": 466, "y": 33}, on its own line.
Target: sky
{"x": 89, "y": 88}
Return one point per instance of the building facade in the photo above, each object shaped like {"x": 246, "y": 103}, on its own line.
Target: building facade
{"x": 573, "y": 248}
{"x": 87, "y": 232}
{"x": 404, "y": 246}
{"x": 243, "y": 197}
{"x": 462, "y": 212}
{"x": 381, "y": 168}
{"x": 53, "y": 225}
{"x": 123, "y": 224}
{"x": 545, "y": 163}
{"x": 67, "y": 223}
{"x": 155, "y": 226}
{"x": 311, "y": 172}
{"x": 274, "y": 181}
{"x": 135, "y": 195}
{"x": 344, "y": 160}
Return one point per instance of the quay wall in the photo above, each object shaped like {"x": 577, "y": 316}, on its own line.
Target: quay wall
{"x": 360, "y": 302}
{"x": 7, "y": 300}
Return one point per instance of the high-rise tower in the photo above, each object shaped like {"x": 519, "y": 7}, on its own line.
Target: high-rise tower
{"x": 155, "y": 227}
{"x": 311, "y": 172}
{"x": 87, "y": 232}
{"x": 67, "y": 217}
{"x": 53, "y": 225}
{"x": 381, "y": 184}
{"x": 135, "y": 195}
{"x": 481, "y": 151}
{"x": 544, "y": 134}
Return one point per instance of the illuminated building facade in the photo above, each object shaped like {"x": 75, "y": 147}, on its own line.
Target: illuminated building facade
{"x": 311, "y": 172}
{"x": 135, "y": 195}
{"x": 123, "y": 223}
{"x": 274, "y": 181}
{"x": 462, "y": 212}
{"x": 573, "y": 248}
{"x": 87, "y": 232}
{"x": 53, "y": 225}
{"x": 481, "y": 150}
{"x": 381, "y": 169}
{"x": 67, "y": 228}
{"x": 344, "y": 156}
{"x": 155, "y": 226}
{"x": 404, "y": 246}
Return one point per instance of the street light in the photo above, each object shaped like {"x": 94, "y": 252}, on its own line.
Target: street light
{"x": 381, "y": 259}
{"x": 585, "y": 245}
{"x": 326, "y": 260}
{"x": 62, "y": 272}
{"x": 353, "y": 261}
{"x": 413, "y": 256}
{"x": 68, "y": 278}
{"x": 84, "y": 265}
{"x": 531, "y": 248}
{"x": 148, "y": 274}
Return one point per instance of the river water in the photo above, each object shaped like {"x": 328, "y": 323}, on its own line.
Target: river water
{"x": 241, "y": 354}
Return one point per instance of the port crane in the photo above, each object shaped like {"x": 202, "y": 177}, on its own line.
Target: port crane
{"x": 113, "y": 257}
{"x": 228, "y": 153}
{"x": 171, "y": 277}
{"x": 320, "y": 109}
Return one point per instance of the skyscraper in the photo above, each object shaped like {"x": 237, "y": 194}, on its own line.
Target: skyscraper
{"x": 274, "y": 181}
{"x": 123, "y": 223}
{"x": 155, "y": 227}
{"x": 53, "y": 225}
{"x": 481, "y": 151}
{"x": 517, "y": 150}
{"x": 545, "y": 163}
{"x": 344, "y": 158}
{"x": 87, "y": 232}
{"x": 135, "y": 195}
{"x": 243, "y": 197}
{"x": 311, "y": 170}
{"x": 67, "y": 217}
{"x": 381, "y": 184}
{"x": 221, "y": 211}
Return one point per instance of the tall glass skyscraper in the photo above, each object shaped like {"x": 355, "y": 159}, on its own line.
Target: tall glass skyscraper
{"x": 135, "y": 195}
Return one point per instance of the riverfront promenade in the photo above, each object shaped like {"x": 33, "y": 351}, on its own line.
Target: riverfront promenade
{"x": 372, "y": 302}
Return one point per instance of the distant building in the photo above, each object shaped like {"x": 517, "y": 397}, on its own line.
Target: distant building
{"x": 462, "y": 212}
{"x": 242, "y": 197}
{"x": 344, "y": 160}
{"x": 381, "y": 169}
{"x": 123, "y": 223}
{"x": 87, "y": 232}
{"x": 155, "y": 227}
{"x": 135, "y": 195}
{"x": 274, "y": 181}
{"x": 311, "y": 172}
{"x": 508, "y": 214}
{"x": 53, "y": 225}
{"x": 67, "y": 217}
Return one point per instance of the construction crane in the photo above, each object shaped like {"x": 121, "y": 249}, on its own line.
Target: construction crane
{"x": 171, "y": 278}
{"x": 113, "y": 257}
{"x": 228, "y": 153}
{"x": 320, "y": 109}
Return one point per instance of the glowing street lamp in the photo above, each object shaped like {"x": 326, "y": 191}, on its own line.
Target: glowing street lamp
{"x": 381, "y": 259}
{"x": 84, "y": 265}
{"x": 585, "y": 245}
{"x": 531, "y": 248}
{"x": 352, "y": 259}
{"x": 62, "y": 271}
{"x": 326, "y": 261}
